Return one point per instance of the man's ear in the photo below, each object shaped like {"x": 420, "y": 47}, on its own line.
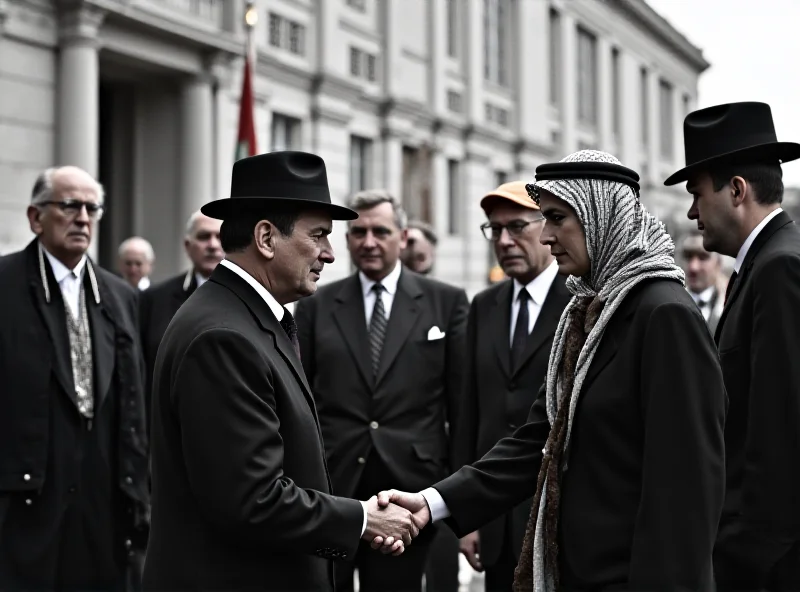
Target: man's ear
{"x": 739, "y": 190}
{"x": 264, "y": 236}
{"x": 34, "y": 219}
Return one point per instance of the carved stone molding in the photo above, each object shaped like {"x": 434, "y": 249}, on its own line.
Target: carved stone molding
{"x": 79, "y": 23}
{"x": 4, "y": 8}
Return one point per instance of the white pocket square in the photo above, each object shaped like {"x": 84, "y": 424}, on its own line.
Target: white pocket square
{"x": 435, "y": 333}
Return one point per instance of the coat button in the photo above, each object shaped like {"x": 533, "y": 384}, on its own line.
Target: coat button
{"x": 373, "y": 425}
{"x": 26, "y": 477}
{"x": 28, "y": 502}
{"x": 129, "y": 480}
{"x": 128, "y": 543}
{"x": 361, "y": 460}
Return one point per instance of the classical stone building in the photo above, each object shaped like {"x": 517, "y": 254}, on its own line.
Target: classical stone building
{"x": 437, "y": 100}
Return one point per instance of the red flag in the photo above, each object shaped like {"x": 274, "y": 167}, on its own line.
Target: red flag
{"x": 246, "y": 142}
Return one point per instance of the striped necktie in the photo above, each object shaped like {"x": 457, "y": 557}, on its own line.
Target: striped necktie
{"x": 377, "y": 327}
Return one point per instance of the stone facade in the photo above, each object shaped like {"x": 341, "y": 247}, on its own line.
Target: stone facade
{"x": 436, "y": 100}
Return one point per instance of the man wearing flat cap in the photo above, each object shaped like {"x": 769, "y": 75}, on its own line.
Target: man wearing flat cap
{"x": 733, "y": 173}
{"x": 241, "y": 492}
{"x": 509, "y": 336}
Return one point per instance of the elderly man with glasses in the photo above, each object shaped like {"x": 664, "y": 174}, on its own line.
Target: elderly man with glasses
{"x": 509, "y": 334}
{"x": 73, "y": 450}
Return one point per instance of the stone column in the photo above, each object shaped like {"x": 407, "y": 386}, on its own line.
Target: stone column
{"x": 654, "y": 117}
{"x": 532, "y": 35}
{"x": 474, "y": 63}
{"x": 569, "y": 84}
{"x": 196, "y": 146}
{"x": 78, "y": 91}
{"x": 605, "y": 91}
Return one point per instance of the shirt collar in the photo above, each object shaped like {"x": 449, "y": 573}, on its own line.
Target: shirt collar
{"x": 144, "y": 283}
{"x": 273, "y": 304}
{"x": 60, "y": 271}
{"x": 389, "y": 282}
{"x": 200, "y": 279}
{"x": 737, "y": 265}
{"x": 539, "y": 286}
{"x": 704, "y": 296}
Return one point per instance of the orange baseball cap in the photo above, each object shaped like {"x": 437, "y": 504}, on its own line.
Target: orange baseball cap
{"x": 513, "y": 191}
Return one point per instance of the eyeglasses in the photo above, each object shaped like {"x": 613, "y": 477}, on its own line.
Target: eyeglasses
{"x": 515, "y": 228}
{"x": 73, "y": 207}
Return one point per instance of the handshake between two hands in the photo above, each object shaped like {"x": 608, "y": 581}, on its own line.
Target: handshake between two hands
{"x": 394, "y": 519}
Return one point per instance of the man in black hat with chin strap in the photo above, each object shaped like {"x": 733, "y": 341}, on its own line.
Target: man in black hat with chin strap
{"x": 241, "y": 492}
{"x": 733, "y": 173}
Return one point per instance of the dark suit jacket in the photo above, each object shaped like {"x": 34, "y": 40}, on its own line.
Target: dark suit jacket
{"x": 643, "y": 490}
{"x": 498, "y": 398}
{"x": 241, "y": 494}
{"x": 157, "y": 305}
{"x": 759, "y": 347}
{"x": 418, "y": 388}
{"x": 42, "y": 437}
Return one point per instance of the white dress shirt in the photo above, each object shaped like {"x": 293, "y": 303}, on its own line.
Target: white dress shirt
{"x": 537, "y": 290}
{"x": 144, "y": 283}
{"x": 703, "y": 301}
{"x": 201, "y": 279}
{"x": 737, "y": 265}
{"x": 69, "y": 280}
{"x": 278, "y": 310}
{"x": 387, "y": 295}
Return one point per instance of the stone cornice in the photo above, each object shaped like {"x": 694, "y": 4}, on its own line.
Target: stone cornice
{"x": 530, "y": 146}
{"x": 3, "y": 14}
{"x": 275, "y": 69}
{"x": 409, "y": 110}
{"x": 639, "y": 12}
{"x": 337, "y": 87}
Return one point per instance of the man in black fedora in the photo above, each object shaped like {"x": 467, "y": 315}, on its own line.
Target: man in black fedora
{"x": 734, "y": 175}
{"x": 241, "y": 492}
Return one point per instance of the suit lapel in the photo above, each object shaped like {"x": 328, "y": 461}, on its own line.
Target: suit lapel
{"x": 501, "y": 330}
{"x": 547, "y": 321}
{"x": 402, "y": 319}
{"x": 186, "y": 289}
{"x": 351, "y": 319}
{"x": 102, "y": 330}
{"x": 763, "y": 237}
{"x": 55, "y": 320}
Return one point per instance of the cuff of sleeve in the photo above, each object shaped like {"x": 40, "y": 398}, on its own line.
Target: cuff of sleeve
{"x": 364, "y": 523}
{"x": 436, "y": 505}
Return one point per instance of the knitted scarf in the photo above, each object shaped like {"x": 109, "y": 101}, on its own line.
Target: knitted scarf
{"x": 626, "y": 245}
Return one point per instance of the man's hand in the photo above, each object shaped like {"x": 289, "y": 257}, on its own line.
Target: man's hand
{"x": 470, "y": 546}
{"x": 389, "y": 527}
{"x": 414, "y": 502}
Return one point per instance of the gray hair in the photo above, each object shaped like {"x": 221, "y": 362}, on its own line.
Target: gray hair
{"x": 192, "y": 222}
{"x": 43, "y": 187}
{"x": 426, "y": 229}
{"x": 364, "y": 200}
{"x": 140, "y": 243}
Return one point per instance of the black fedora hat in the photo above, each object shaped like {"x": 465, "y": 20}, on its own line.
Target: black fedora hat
{"x": 278, "y": 178}
{"x": 736, "y": 132}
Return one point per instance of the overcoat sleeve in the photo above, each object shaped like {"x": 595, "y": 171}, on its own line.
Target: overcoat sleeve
{"x": 224, "y": 399}
{"x": 455, "y": 334}
{"x": 683, "y": 406}
{"x": 466, "y": 432}
{"x": 502, "y": 479}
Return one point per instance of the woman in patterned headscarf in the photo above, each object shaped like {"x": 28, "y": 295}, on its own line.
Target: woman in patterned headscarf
{"x": 623, "y": 449}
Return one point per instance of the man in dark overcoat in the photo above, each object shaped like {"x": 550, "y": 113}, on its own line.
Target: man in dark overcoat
{"x": 73, "y": 449}
{"x": 734, "y": 176}
{"x": 509, "y": 336}
{"x": 242, "y": 498}
{"x": 159, "y": 303}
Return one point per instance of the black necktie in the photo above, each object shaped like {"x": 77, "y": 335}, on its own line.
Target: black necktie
{"x": 290, "y": 327}
{"x": 520, "y": 338}
{"x": 377, "y": 328}
{"x": 729, "y": 289}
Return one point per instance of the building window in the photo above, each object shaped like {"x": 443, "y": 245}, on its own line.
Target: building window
{"x": 453, "y": 203}
{"x": 644, "y": 97}
{"x": 555, "y": 57}
{"x": 587, "y": 77}
{"x": 616, "y": 93}
{"x": 500, "y": 177}
{"x": 496, "y": 30}
{"x": 452, "y": 28}
{"x": 454, "y": 101}
{"x": 495, "y": 114}
{"x": 285, "y": 132}
{"x": 358, "y": 4}
{"x": 666, "y": 136}
{"x": 360, "y": 163}
{"x": 416, "y": 190}
{"x": 363, "y": 64}
{"x": 287, "y": 34}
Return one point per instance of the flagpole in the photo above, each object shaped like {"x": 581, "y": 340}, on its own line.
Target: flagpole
{"x": 246, "y": 139}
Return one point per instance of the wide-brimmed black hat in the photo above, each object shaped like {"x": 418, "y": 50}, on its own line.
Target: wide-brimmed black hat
{"x": 736, "y": 132}
{"x": 279, "y": 178}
